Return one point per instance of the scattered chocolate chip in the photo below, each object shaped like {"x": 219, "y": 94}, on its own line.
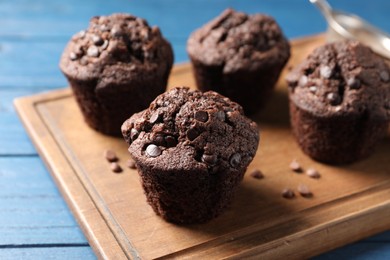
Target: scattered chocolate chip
{"x": 159, "y": 139}
{"x": 97, "y": 40}
{"x": 288, "y": 193}
{"x": 93, "y": 51}
{"x": 192, "y": 134}
{"x": 257, "y": 174}
{"x": 333, "y": 98}
{"x": 104, "y": 45}
{"x": 170, "y": 141}
{"x": 201, "y": 116}
{"x": 153, "y": 150}
{"x": 133, "y": 134}
{"x": 304, "y": 191}
{"x": 221, "y": 116}
{"x": 110, "y": 155}
{"x": 73, "y": 56}
{"x": 385, "y": 77}
{"x": 131, "y": 164}
{"x": 313, "y": 89}
{"x": 302, "y": 81}
{"x": 353, "y": 83}
{"x": 295, "y": 166}
{"x": 154, "y": 118}
{"x": 313, "y": 173}
{"x": 115, "y": 167}
{"x": 235, "y": 160}
{"x": 326, "y": 72}
{"x": 209, "y": 159}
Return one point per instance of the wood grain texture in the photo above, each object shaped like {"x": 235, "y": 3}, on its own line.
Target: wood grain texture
{"x": 350, "y": 202}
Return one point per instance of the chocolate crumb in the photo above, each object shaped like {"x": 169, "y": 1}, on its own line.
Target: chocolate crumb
{"x": 304, "y": 191}
{"x": 288, "y": 193}
{"x": 295, "y": 166}
{"x": 313, "y": 173}
{"x": 110, "y": 155}
{"x": 131, "y": 164}
{"x": 257, "y": 174}
{"x": 115, "y": 167}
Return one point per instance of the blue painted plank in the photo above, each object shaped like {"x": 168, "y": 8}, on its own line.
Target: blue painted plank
{"x": 31, "y": 209}
{"x": 60, "y": 253}
{"x": 28, "y": 64}
{"x": 26, "y": 18}
{"x": 359, "y": 251}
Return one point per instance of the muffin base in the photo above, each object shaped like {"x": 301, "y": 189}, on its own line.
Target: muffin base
{"x": 189, "y": 197}
{"x": 106, "y": 109}
{"x": 251, "y": 89}
{"x": 339, "y": 139}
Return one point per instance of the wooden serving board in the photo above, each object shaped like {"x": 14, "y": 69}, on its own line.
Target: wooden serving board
{"x": 349, "y": 202}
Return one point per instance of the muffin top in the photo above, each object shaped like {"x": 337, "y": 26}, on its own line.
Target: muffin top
{"x": 190, "y": 130}
{"x": 119, "y": 42}
{"x": 339, "y": 78}
{"x": 237, "y": 41}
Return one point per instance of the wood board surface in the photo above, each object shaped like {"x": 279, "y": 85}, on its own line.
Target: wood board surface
{"x": 349, "y": 202}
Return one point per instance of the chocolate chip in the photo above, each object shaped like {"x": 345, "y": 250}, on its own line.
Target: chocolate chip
{"x": 235, "y": 160}
{"x": 192, "y": 134}
{"x": 288, "y": 193}
{"x": 385, "y": 77}
{"x": 115, "y": 167}
{"x": 302, "y": 81}
{"x": 313, "y": 173}
{"x": 154, "y": 118}
{"x": 81, "y": 34}
{"x": 295, "y": 166}
{"x": 170, "y": 141}
{"x": 326, "y": 72}
{"x": 133, "y": 134}
{"x": 304, "y": 191}
{"x": 153, "y": 150}
{"x": 313, "y": 89}
{"x": 209, "y": 159}
{"x": 104, "y": 45}
{"x": 221, "y": 116}
{"x": 93, "y": 51}
{"x": 131, "y": 164}
{"x": 257, "y": 174}
{"x": 333, "y": 98}
{"x": 159, "y": 140}
{"x": 73, "y": 56}
{"x": 84, "y": 61}
{"x": 97, "y": 40}
{"x": 110, "y": 155}
{"x": 104, "y": 28}
{"x": 201, "y": 116}
{"x": 156, "y": 30}
{"x": 116, "y": 31}
{"x": 353, "y": 83}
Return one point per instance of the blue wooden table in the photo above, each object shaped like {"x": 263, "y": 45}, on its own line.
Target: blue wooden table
{"x": 35, "y": 221}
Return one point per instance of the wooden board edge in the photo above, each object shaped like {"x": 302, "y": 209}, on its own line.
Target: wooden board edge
{"x": 93, "y": 225}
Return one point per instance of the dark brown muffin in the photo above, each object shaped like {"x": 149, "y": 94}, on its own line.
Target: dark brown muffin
{"x": 340, "y": 102}
{"x": 191, "y": 150}
{"x": 116, "y": 68}
{"x": 239, "y": 56}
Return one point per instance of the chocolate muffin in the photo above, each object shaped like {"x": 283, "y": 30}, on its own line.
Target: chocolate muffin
{"x": 239, "y": 56}
{"x": 116, "y": 68}
{"x": 191, "y": 150}
{"x": 340, "y": 102}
